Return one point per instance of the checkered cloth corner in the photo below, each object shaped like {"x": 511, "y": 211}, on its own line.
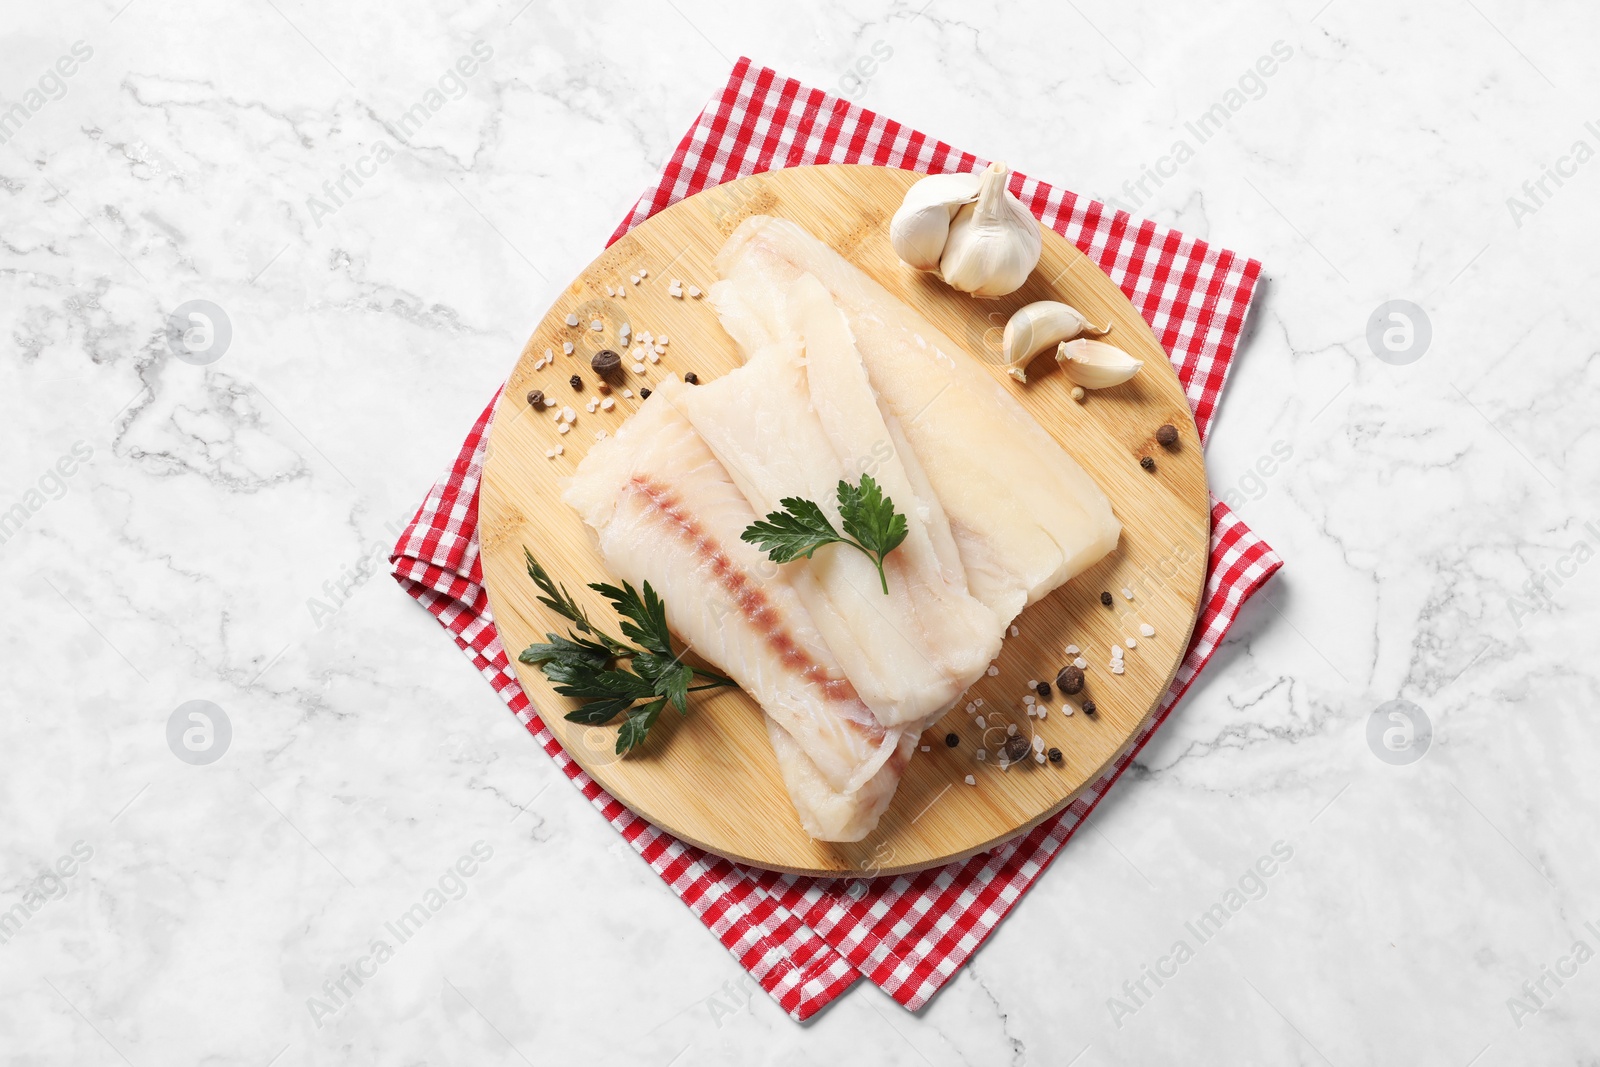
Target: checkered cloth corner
{"x": 807, "y": 940}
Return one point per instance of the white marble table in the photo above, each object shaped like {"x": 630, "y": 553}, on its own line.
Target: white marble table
{"x": 211, "y": 533}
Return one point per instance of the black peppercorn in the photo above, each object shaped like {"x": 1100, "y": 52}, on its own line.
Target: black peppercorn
{"x": 536, "y": 398}
{"x": 951, "y": 740}
{"x": 1016, "y": 748}
{"x": 1070, "y": 680}
{"x": 576, "y": 382}
{"x": 1043, "y": 689}
{"x": 644, "y": 394}
{"x": 1055, "y": 755}
{"x": 1105, "y": 598}
{"x": 1167, "y": 435}
{"x": 692, "y": 378}
{"x": 1148, "y": 463}
{"x": 606, "y": 363}
{"x": 1089, "y": 708}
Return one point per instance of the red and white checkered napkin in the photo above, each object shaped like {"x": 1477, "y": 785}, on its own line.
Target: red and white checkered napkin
{"x": 807, "y": 940}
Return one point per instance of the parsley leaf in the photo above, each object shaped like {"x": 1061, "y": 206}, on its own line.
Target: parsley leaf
{"x": 585, "y": 664}
{"x": 637, "y": 725}
{"x": 871, "y": 524}
{"x": 798, "y": 531}
{"x": 649, "y": 613}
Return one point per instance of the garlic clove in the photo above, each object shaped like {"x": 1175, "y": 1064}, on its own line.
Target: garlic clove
{"x": 1095, "y": 364}
{"x": 994, "y": 242}
{"x": 1034, "y": 327}
{"x": 918, "y": 230}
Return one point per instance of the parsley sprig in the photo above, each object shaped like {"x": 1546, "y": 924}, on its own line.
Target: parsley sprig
{"x": 871, "y": 524}
{"x": 584, "y": 664}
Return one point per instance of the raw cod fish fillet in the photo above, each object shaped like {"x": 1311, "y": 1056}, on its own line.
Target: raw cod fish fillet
{"x": 795, "y": 420}
{"x": 666, "y": 512}
{"x": 1024, "y": 516}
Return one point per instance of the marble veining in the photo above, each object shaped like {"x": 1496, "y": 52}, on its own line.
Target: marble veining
{"x": 214, "y": 531}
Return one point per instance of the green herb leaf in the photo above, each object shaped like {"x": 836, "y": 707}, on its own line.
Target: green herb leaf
{"x": 647, "y": 613}
{"x": 582, "y": 651}
{"x": 871, "y": 524}
{"x": 599, "y": 712}
{"x": 797, "y": 531}
{"x": 636, "y": 727}
{"x": 586, "y": 667}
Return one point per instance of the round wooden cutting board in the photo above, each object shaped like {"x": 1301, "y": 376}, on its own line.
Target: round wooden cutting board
{"x": 710, "y": 778}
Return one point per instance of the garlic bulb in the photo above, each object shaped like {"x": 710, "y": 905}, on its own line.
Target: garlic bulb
{"x": 1095, "y": 364}
{"x": 1034, "y": 327}
{"x": 994, "y": 243}
{"x": 918, "y": 230}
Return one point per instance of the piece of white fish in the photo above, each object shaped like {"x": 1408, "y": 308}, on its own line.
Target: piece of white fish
{"x": 1024, "y": 516}
{"x": 795, "y": 420}
{"x": 666, "y": 513}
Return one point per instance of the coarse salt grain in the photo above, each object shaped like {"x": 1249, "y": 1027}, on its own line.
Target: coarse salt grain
{"x": 662, "y": 339}
{"x": 567, "y": 414}
{"x": 1116, "y": 651}
{"x": 676, "y": 294}
{"x": 661, "y": 349}
{"x": 1072, "y": 650}
{"x": 979, "y": 702}
{"x": 982, "y": 724}
{"x": 597, "y": 325}
{"x": 572, "y": 320}
{"x": 549, "y": 354}
{"x": 971, "y": 707}
{"x": 600, "y": 435}
{"x": 563, "y": 427}
{"x": 1030, "y": 699}
{"x": 1011, "y": 729}
{"x": 1043, "y": 711}
{"x": 634, "y": 278}
{"x": 1038, "y": 742}
{"x": 1029, "y": 709}
{"x": 655, "y": 357}
{"x": 1038, "y": 757}
{"x": 970, "y": 780}
{"x": 627, "y": 393}
{"x": 566, "y": 347}
{"x": 694, "y": 291}
{"x": 560, "y": 449}
{"x": 1147, "y": 630}
{"x": 638, "y": 368}
{"x": 608, "y": 403}
{"x": 1066, "y": 709}
{"x": 1131, "y": 643}
{"x": 992, "y": 671}
{"x": 1116, "y": 668}
{"x": 1015, "y": 632}
{"x": 983, "y": 753}
{"x": 922, "y": 748}
{"x": 1127, "y": 594}
{"x": 1081, "y": 663}
{"x": 643, "y": 273}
